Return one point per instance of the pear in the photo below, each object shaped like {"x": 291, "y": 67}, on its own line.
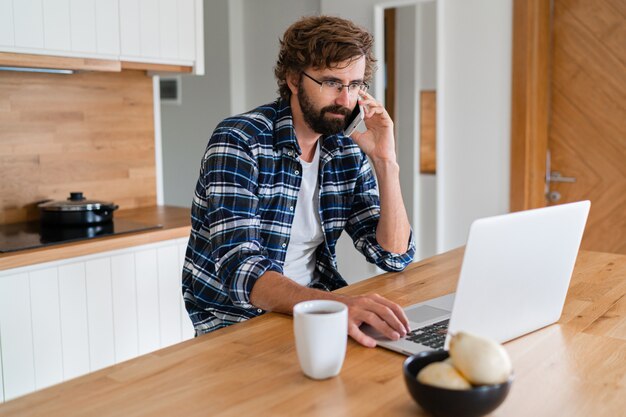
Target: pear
{"x": 480, "y": 360}
{"x": 443, "y": 375}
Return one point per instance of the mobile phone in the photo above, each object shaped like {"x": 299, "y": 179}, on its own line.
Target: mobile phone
{"x": 354, "y": 120}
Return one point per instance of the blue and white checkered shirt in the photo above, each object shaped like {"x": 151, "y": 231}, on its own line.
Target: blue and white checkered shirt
{"x": 244, "y": 205}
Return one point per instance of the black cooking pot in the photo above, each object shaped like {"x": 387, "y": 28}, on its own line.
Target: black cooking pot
{"x": 76, "y": 211}
{"x": 50, "y": 234}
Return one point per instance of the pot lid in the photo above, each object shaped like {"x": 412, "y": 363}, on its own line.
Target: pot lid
{"x": 76, "y": 202}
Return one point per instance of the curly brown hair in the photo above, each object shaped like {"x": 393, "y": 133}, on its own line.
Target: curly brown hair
{"x": 322, "y": 42}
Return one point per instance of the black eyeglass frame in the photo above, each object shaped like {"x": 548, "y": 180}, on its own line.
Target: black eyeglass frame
{"x": 337, "y": 85}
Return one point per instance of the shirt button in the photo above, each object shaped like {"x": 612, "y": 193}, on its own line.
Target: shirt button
{"x": 259, "y": 311}
{"x": 297, "y": 172}
{"x": 284, "y": 245}
{"x": 291, "y": 208}
{"x": 290, "y": 153}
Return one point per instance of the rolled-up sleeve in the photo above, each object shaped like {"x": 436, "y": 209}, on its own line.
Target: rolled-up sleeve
{"x": 230, "y": 176}
{"x": 363, "y": 220}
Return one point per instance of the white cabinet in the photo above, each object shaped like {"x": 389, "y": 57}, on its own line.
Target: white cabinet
{"x": 28, "y": 23}
{"x": 18, "y": 365}
{"x": 63, "y": 319}
{"x": 108, "y": 27}
{"x": 56, "y": 25}
{"x": 162, "y": 31}
{"x": 7, "y": 30}
{"x": 75, "y": 28}
{"x": 83, "y": 25}
{"x": 166, "y": 32}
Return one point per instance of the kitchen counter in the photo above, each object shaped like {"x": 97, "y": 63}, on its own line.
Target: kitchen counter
{"x": 175, "y": 222}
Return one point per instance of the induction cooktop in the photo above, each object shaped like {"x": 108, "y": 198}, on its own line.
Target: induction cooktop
{"x": 29, "y": 235}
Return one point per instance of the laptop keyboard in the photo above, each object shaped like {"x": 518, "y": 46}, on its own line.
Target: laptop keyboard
{"x": 433, "y": 335}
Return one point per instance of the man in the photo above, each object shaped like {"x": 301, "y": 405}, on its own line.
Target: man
{"x": 279, "y": 184}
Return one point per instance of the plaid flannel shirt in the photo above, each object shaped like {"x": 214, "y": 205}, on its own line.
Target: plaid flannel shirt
{"x": 244, "y": 206}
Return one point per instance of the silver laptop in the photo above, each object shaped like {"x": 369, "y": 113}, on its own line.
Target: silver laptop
{"x": 514, "y": 278}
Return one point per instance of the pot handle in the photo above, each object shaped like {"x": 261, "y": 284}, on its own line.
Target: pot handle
{"x": 107, "y": 209}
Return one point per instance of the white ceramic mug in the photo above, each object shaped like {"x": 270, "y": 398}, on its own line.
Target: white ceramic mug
{"x": 321, "y": 332}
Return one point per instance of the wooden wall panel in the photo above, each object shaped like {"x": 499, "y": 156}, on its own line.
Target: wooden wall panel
{"x": 428, "y": 132}
{"x": 90, "y": 132}
{"x": 529, "y": 103}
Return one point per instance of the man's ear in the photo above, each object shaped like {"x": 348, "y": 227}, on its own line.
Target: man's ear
{"x": 293, "y": 79}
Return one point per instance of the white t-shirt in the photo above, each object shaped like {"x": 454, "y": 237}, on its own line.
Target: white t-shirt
{"x": 306, "y": 230}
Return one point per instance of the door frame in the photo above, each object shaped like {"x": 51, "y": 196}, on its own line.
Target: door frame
{"x": 530, "y": 107}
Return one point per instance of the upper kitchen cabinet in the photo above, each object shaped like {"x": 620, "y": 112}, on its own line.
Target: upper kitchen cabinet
{"x": 82, "y": 28}
{"x": 168, "y": 32}
{"x": 148, "y": 34}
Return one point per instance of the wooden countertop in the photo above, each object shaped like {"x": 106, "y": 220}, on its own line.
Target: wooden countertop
{"x": 176, "y": 222}
{"x": 574, "y": 368}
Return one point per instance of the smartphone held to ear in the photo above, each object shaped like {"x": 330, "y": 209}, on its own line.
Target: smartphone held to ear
{"x": 355, "y": 119}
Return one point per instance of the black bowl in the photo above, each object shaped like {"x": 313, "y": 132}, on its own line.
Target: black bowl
{"x": 443, "y": 402}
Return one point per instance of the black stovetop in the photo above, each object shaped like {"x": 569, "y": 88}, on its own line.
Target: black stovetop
{"x": 29, "y": 235}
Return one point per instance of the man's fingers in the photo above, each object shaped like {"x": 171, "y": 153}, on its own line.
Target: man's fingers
{"x": 397, "y": 311}
{"x": 360, "y": 337}
{"x": 385, "y": 317}
{"x": 391, "y": 313}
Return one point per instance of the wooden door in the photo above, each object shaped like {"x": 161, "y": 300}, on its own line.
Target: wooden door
{"x": 569, "y": 99}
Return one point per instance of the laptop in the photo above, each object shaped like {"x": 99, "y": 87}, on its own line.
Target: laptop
{"x": 514, "y": 279}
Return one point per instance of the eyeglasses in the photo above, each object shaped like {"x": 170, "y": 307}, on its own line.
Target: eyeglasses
{"x": 334, "y": 88}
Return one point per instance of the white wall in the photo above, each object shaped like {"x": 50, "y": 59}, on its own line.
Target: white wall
{"x": 407, "y": 113}
{"x": 427, "y": 75}
{"x": 205, "y": 102}
{"x": 473, "y": 109}
{"x": 264, "y": 24}
{"x": 473, "y": 114}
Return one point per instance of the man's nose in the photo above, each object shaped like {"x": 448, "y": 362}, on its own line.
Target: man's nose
{"x": 343, "y": 99}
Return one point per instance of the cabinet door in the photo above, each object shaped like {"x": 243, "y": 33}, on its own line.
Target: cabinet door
{"x": 74, "y": 324}
{"x": 147, "y": 300}
{"x": 168, "y": 29}
{"x": 83, "y": 25}
{"x": 149, "y": 28}
{"x": 162, "y": 31}
{"x": 186, "y": 30}
{"x": 64, "y": 319}
{"x": 56, "y": 25}
{"x": 1, "y": 373}
{"x": 169, "y": 295}
{"x": 124, "y": 293}
{"x": 6, "y": 23}
{"x": 130, "y": 43}
{"x": 28, "y": 23}
{"x": 99, "y": 313}
{"x": 188, "y": 332}
{"x": 108, "y": 27}
{"x": 17, "y": 338}
{"x": 47, "y": 342}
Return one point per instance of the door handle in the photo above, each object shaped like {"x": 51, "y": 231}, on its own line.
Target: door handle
{"x": 555, "y": 176}
{"x": 553, "y": 196}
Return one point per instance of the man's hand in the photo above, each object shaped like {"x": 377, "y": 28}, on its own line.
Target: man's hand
{"x": 383, "y": 315}
{"x": 275, "y": 292}
{"x": 377, "y": 141}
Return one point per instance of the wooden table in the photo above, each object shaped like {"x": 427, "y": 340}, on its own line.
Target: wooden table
{"x": 574, "y": 368}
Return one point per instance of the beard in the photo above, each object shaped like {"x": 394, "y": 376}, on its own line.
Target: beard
{"x": 316, "y": 119}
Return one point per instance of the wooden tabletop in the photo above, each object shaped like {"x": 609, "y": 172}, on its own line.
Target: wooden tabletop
{"x": 175, "y": 222}
{"x": 574, "y": 368}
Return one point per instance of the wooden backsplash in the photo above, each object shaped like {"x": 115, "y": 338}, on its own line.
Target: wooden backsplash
{"x": 90, "y": 132}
